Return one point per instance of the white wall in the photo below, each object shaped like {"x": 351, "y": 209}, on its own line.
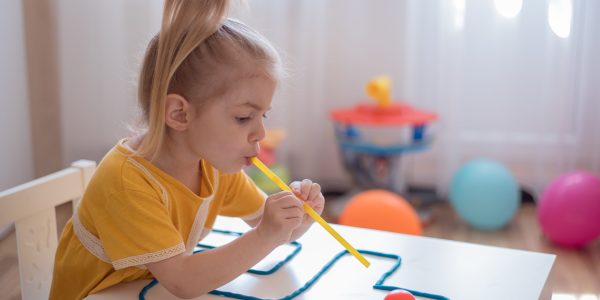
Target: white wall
{"x": 16, "y": 160}
{"x": 100, "y": 46}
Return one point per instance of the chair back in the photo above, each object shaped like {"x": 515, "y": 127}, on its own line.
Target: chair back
{"x": 31, "y": 207}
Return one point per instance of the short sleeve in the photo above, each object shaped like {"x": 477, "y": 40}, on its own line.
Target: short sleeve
{"x": 135, "y": 229}
{"x": 243, "y": 198}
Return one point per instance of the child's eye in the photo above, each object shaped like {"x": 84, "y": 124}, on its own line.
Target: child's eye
{"x": 243, "y": 119}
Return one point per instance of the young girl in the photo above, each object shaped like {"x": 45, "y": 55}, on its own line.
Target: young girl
{"x": 205, "y": 86}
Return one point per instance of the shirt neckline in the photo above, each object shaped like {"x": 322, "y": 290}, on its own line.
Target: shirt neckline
{"x": 206, "y": 184}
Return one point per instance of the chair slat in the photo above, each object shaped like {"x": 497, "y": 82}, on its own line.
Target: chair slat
{"x": 31, "y": 207}
{"x": 36, "y": 246}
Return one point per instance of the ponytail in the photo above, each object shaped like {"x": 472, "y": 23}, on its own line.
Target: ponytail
{"x": 185, "y": 25}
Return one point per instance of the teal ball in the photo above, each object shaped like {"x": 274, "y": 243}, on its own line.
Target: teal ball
{"x": 485, "y": 194}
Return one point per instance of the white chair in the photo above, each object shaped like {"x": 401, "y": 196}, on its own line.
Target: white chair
{"x": 31, "y": 207}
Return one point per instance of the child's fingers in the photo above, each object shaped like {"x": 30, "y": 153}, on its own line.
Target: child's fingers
{"x": 289, "y": 200}
{"x": 305, "y": 189}
{"x": 297, "y": 188}
{"x": 293, "y": 212}
{"x": 279, "y": 195}
{"x": 301, "y": 188}
{"x": 295, "y": 185}
{"x": 291, "y": 207}
{"x": 315, "y": 192}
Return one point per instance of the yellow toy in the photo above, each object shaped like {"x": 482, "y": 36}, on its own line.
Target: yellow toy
{"x": 379, "y": 90}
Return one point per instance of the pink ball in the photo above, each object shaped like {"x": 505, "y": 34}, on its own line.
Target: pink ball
{"x": 569, "y": 209}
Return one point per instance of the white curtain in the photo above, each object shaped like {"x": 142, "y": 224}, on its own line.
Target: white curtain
{"x": 506, "y": 88}
{"x": 509, "y": 89}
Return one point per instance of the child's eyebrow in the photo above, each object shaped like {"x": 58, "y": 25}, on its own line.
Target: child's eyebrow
{"x": 254, "y": 105}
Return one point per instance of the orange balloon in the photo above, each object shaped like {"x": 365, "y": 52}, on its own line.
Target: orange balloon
{"x": 382, "y": 210}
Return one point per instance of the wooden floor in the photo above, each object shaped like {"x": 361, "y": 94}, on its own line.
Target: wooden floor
{"x": 575, "y": 272}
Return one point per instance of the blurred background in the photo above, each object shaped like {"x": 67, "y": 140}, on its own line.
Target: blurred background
{"x": 512, "y": 81}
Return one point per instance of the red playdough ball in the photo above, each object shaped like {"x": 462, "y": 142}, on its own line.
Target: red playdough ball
{"x": 399, "y": 295}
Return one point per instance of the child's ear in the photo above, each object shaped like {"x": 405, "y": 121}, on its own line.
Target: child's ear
{"x": 177, "y": 112}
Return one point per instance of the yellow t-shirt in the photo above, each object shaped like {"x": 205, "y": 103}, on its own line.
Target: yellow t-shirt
{"x": 132, "y": 213}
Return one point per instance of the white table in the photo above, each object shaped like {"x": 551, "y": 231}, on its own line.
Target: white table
{"x": 457, "y": 270}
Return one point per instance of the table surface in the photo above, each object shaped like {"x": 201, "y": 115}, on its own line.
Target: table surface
{"x": 452, "y": 269}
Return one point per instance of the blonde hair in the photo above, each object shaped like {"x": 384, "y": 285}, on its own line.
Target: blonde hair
{"x": 195, "y": 54}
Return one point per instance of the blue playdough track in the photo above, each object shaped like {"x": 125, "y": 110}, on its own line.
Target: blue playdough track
{"x": 379, "y": 285}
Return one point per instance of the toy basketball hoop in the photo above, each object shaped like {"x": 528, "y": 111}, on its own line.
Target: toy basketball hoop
{"x": 373, "y": 136}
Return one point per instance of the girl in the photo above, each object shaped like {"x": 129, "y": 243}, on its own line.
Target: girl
{"x": 205, "y": 84}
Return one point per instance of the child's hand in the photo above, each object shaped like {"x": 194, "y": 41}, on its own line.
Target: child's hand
{"x": 282, "y": 215}
{"x": 311, "y": 193}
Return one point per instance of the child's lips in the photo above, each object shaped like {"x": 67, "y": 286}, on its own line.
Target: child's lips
{"x": 249, "y": 158}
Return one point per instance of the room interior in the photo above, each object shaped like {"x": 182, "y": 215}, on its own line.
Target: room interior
{"x": 510, "y": 82}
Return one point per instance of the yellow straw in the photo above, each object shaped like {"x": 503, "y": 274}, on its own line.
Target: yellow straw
{"x": 311, "y": 212}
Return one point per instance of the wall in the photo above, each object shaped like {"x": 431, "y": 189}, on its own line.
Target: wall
{"x": 16, "y": 159}
{"x": 16, "y": 165}
{"x": 100, "y": 46}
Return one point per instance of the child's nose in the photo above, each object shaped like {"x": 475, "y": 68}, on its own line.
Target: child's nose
{"x": 258, "y": 134}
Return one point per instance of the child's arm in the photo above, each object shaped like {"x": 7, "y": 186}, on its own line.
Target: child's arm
{"x": 188, "y": 276}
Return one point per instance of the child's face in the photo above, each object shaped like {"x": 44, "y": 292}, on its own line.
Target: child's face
{"x": 226, "y": 131}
